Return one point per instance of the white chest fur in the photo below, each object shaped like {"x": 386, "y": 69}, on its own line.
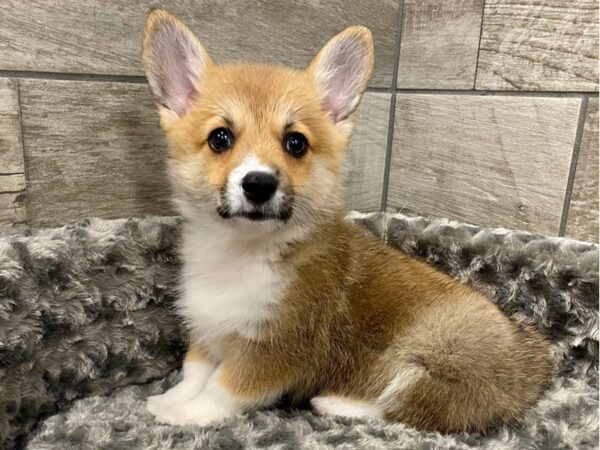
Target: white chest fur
{"x": 227, "y": 287}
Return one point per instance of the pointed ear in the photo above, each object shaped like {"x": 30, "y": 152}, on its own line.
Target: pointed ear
{"x": 174, "y": 62}
{"x": 342, "y": 70}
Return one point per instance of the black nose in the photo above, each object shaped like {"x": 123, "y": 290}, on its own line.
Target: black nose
{"x": 259, "y": 186}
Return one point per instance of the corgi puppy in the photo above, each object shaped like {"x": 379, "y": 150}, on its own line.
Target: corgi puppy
{"x": 284, "y": 296}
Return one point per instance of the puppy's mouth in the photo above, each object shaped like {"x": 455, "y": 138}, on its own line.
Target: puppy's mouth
{"x": 256, "y": 216}
{"x": 278, "y": 212}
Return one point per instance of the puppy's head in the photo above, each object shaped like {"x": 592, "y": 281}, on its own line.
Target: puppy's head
{"x": 255, "y": 143}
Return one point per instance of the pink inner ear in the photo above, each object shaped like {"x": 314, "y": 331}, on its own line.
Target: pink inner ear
{"x": 341, "y": 73}
{"x": 176, "y": 65}
{"x": 179, "y": 90}
{"x": 335, "y": 106}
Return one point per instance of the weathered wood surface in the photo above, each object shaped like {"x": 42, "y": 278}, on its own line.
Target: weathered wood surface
{"x": 439, "y": 44}
{"x": 12, "y": 178}
{"x": 365, "y": 161}
{"x": 12, "y": 183}
{"x": 12, "y": 210}
{"x": 489, "y": 160}
{"x": 95, "y": 149}
{"x": 12, "y": 201}
{"x": 540, "y": 45}
{"x": 582, "y": 216}
{"x": 11, "y": 149}
{"x": 92, "y": 149}
{"x": 90, "y": 36}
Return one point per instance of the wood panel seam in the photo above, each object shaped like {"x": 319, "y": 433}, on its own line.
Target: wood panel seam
{"x": 135, "y": 79}
{"x": 479, "y": 45}
{"x": 67, "y": 76}
{"x": 392, "y": 112}
{"x": 25, "y": 165}
{"x": 561, "y": 94}
{"x": 7, "y": 174}
{"x": 573, "y": 168}
{"x": 104, "y": 78}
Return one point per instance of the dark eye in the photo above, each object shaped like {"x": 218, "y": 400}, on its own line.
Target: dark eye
{"x": 295, "y": 144}
{"x": 220, "y": 140}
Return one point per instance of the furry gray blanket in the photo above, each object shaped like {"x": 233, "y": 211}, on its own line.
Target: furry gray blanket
{"x": 87, "y": 332}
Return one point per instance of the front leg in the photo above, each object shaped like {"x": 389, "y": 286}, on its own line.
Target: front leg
{"x": 214, "y": 404}
{"x": 245, "y": 380}
{"x": 197, "y": 368}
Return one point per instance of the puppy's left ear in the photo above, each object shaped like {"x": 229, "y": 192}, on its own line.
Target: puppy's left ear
{"x": 342, "y": 70}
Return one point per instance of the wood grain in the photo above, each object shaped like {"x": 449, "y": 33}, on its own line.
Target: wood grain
{"x": 95, "y": 149}
{"x": 11, "y": 148}
{"x": 12, "y": 201}
{"x": 488, "y": 160}
{"x": 545, "y": 45}
{"x": 365, "y": 161}
{"x": 439, "y": 44}
{"x": 12, "y": 179}
{"x": 12, "y": 183}
{"x": 12, "y": 210}
{"x": 89, "y": 36}
{"x": 582, "y": 220}
{"x": 92, "y": 149}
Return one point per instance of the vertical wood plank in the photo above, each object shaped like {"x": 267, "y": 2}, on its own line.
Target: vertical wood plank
{"x": 12, "y": 201}
{"x": 488, "y": 160}
{"x": 12, "y": 178}
{"x": 365, "y": 161}
{"x": 12, "y": 210}
{"x": 11, "y": 148}
{"x": 539, "y": 45}
{"x": 439, "y": 44}
{"x": 582, "y": 219}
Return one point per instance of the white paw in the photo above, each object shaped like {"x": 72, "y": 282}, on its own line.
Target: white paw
{"x": 181, "y": 393}
{"x": 167, "y": 401}
{"x": 157, "y": 403}
{"x": 194, "y": 380}
{"x": 331, "y": 405}
{"x": 197, "y": 411}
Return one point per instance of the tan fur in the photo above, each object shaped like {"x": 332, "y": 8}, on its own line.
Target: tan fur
{"x": 259, "y": 108}
{"x": 359, "y": 319}
{"x": 197, "y": 353}
{"x": 359, "y": 313}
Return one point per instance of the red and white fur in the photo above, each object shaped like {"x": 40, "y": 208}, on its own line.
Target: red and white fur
{"x": 281, "y": 295}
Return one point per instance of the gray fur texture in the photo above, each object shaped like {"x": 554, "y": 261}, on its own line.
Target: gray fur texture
{"x": 86, "y": 322}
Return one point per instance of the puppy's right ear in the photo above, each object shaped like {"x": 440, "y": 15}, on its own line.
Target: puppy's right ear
{"x": 174, "y": 61}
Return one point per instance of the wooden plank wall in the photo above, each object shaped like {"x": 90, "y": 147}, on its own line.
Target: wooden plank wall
{"x": 12, "y": 171}
{"x": 484, "y": 111}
